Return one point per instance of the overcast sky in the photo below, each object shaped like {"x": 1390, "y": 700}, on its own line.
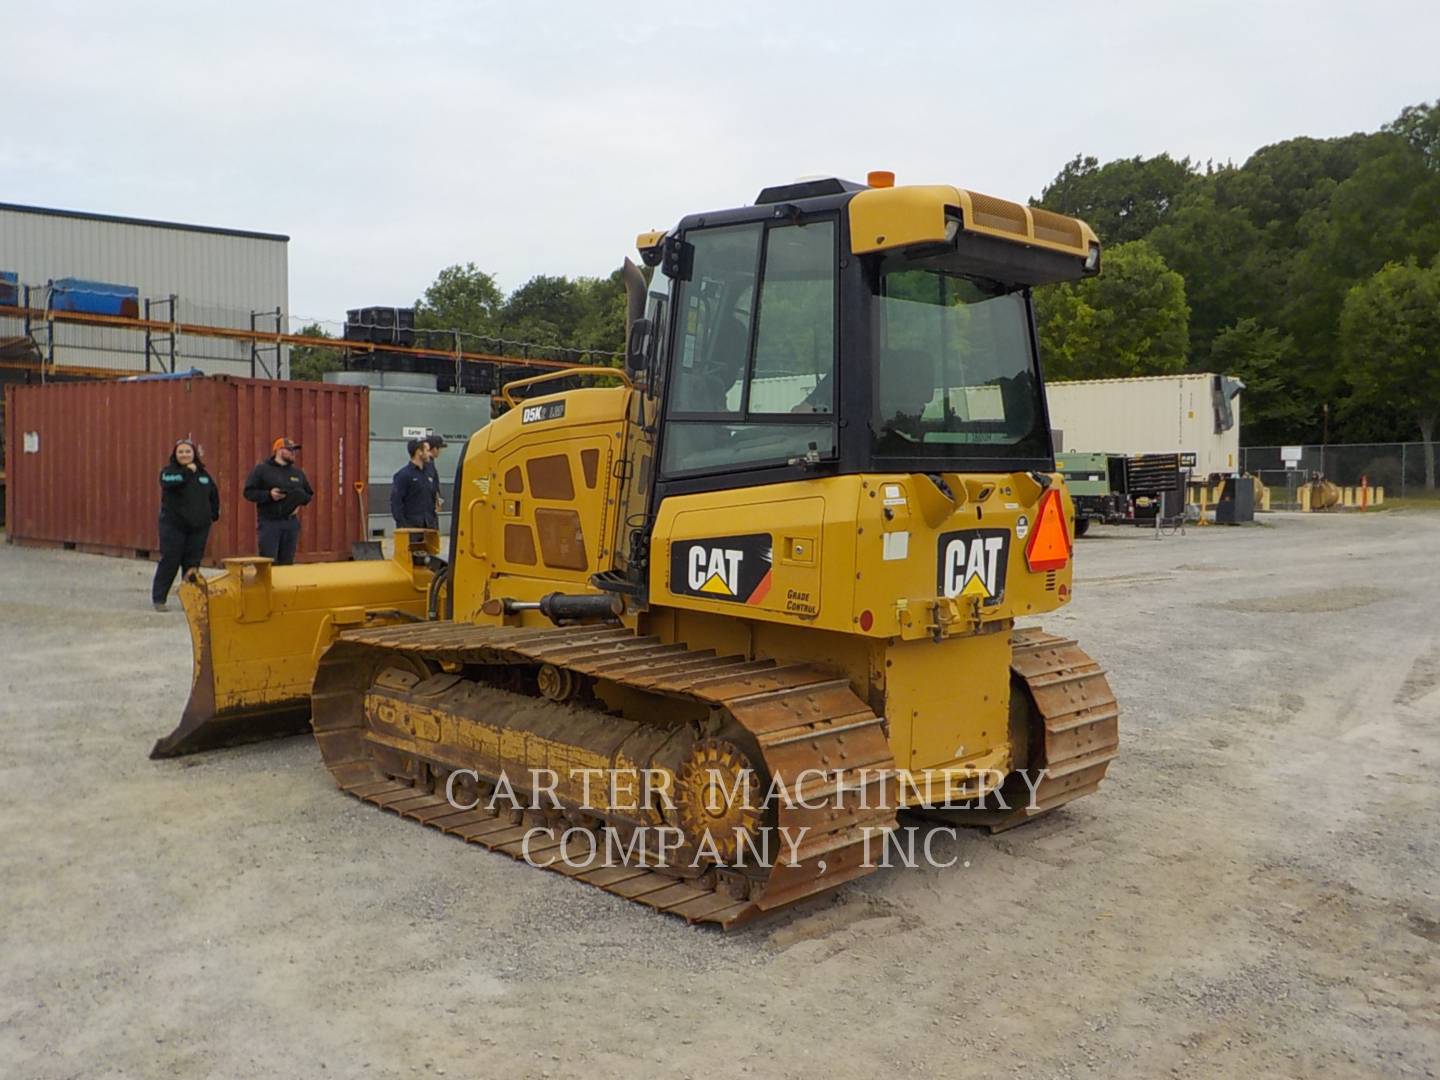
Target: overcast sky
{"x": 392, "y": 139}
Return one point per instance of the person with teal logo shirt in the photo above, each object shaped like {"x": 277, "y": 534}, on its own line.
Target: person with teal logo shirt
{"x": 189, "y": 505}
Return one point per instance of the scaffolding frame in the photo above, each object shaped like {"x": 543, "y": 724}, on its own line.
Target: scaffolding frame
{"x": 153, "y": 339}
{"x": 256, "y": 348}
{"x": 261, "y": 340}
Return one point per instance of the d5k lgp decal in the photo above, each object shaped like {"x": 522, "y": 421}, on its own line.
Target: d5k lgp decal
{"x": 734, "y": 568}
{"x": 972, "y": 563}
{"x": 533, "y": 414}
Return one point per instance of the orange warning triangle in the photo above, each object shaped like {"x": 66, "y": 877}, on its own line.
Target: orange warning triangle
{"x": 1049, "y": 544}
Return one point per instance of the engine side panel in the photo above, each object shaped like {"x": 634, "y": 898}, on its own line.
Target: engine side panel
{"x": 537, "y": 509}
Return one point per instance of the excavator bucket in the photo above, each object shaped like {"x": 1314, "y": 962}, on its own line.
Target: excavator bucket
{"x": 258, "y": 631}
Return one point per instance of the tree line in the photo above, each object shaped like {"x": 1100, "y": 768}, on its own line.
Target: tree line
{"x": 1312, "y": 271}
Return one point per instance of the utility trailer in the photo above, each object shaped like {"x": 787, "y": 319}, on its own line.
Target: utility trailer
{"x": 1191, "y": 414}
{"x": 1116, "y": 489}
{"x": 1096, "y": 483}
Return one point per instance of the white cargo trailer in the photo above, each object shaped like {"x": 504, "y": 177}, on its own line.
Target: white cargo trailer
{"x": 1195, "y": 413}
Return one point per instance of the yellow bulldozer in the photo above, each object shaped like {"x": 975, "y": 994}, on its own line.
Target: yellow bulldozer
{"x": 761, "y": 582}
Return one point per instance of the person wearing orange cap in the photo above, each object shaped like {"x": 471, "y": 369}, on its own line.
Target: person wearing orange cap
{"x": 278, "y": 487}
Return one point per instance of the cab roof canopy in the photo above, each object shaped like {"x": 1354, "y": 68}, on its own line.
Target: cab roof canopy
{"x": 989, "y": 237}
{"x": 930, "y": 219}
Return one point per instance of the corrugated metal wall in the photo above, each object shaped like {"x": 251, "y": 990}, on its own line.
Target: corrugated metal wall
{"x": 220, "y": 278}
{"x": 90, "y": 475}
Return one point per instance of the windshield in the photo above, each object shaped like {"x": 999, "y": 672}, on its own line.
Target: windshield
{"x": 955, "y": 377}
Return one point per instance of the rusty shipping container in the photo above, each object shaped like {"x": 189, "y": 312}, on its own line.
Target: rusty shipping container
{"x": 83, "y": 459}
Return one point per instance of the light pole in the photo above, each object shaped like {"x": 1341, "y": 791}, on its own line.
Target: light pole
{"x": 1324, "y": 437}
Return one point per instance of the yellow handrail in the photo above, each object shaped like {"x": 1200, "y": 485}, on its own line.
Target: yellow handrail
{"x": 594, "y": 372}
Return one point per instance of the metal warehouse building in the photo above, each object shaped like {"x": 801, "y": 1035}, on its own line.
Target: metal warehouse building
{"x": 62, "y": 261}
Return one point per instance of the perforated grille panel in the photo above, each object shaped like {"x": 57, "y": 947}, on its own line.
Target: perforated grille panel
{"x": 1056, "y": 228}
{"x": 993, "y": 213}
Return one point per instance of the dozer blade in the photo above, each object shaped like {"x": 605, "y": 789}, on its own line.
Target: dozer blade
{"x": 257, "y": 631}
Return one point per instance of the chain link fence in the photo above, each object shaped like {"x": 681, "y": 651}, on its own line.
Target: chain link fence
{"x": 1399, "y": 468}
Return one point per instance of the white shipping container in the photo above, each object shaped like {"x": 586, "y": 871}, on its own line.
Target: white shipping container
{"x": 1196, "y": 413}
{"x": 219, "y": 275}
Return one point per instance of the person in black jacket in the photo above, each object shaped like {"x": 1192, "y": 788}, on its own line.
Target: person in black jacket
{"x": 433, "y": 445}
{"x": 278, "y": 487}
{"x": 189, "y": 505}
{"x": 413, "y": 494}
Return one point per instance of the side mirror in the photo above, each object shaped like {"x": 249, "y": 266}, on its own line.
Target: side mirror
{"x": 637, "y": 346}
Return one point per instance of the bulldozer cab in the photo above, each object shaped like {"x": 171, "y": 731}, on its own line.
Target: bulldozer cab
{"x": 834, "y": 328}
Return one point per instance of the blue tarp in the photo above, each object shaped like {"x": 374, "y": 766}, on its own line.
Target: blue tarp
{"x": 94, "y": 297}
{"x": 188, "y": 373}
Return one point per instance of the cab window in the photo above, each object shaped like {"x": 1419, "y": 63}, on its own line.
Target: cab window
{"x": 956, "y": 373}
{"x": 753, "y": 361}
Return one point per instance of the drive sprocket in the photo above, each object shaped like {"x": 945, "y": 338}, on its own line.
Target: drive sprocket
{"x": 718, "y": 796}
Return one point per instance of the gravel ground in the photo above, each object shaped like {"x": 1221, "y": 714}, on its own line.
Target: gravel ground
{"x": 1254, "y": 891}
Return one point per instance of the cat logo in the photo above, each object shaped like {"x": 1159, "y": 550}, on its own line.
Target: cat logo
{"x": 972, "y": 564}
{"x": 713, "y": 569}
{"x": 732, "y": 568}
